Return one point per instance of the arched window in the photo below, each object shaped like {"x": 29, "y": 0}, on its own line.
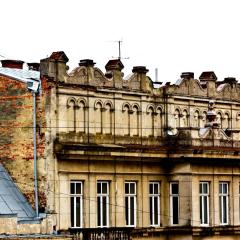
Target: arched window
{"x": 158, "y": 122}
{"x": 203, "y": 119}
{"x": 126, "y": 120}
{"x": 71, "y": 115}
{"x": 219, "y": 119}
{"x": 98, "y": 117}
{"x": 107, "y": 120}
{"x": 134, "y": 121}
{"x": 81, "y": 117}
{"x": 176, "y": 118}
{"x": 226, "y": 121}
{"x": 149, "y": 122}
{"x": 184, "y": 119}
{"x": 196, "y": 119}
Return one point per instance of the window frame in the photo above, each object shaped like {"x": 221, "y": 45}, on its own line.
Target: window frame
{"x": 74, "y": 196}
{"x": 152, "y": 197}
{"x": 172, "y": 197}
{"x": 202, "y": 196}
{"x": 128, "y": 197}
{"x": 223, "y": 196}
{"x": 101, "y": 196}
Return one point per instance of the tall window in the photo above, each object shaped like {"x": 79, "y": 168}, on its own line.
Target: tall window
{"x": 174, "y": 203}
{"x": 130, "y": 204}
{"x": 154, "y": 200}
{"x": 204, "y": 202}
{"x": 76, "y": 193}
{"x": 103, "y": 204}
{"x": 223, "y": 202}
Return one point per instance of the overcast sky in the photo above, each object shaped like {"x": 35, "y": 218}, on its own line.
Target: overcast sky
{"x": 171, "y": 35}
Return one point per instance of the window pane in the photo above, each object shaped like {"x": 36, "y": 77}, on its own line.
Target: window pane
{"x": 155, "y": 210}
{"x": 132, "y": 188}
{"x": 126, "y": 210}
{"x": 224, "y": 188}
{"x": 72, "y": 211}
{"x": 99, "y": 188}
{"x": 155, "y": 188}
{"x": 104, "y": 211}
{"x": 99, "y": 211}
{"x": 174, "y": 188}
{"x": 132, "y": 210}
{"x": 151, "y": 188}
{"x": 127, "y": 188}
{"x": 220, "y": 188}
{"x": 224, "y": 210}
{"x": 205, "y": 188}
{"x": 151, "y": 211}
{"x": 175, "y": 210}
{"x": 104, "y": 187}
{"x": 72, "y": 188}
{"x": 78, "y": 188}
{"x": 205, "y": 204}
{"x": 201, "y": 210}
{"x": 78, "y": 212}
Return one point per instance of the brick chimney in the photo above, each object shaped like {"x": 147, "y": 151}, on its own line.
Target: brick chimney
{"x": 114, "y": 69}
{"x": 9, "y": 63}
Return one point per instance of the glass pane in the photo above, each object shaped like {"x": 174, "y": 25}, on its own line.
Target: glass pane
{"x": 78, "y": 188}
{"x": 98, "y": 211}
{"x": 104, "y": 187}
{"x": 151, "y": 211}
{"x": 155, "y": 188}
{"x": 72, "y": 188}
{"x": 78, "y": 212}
{"x": 224, "y": 210}
{"x": 126, "y": 210}
{"x": 155, "y": 210}
{"x": 151, "y": 188}
{"x": 104, "y": 199}
{"x": 132, "y": 210}
{"x": 201, "y": 210}
{"x": 205, "y": 188}
{"x": 220, "y": 188}
{"x": 126, "y": 188}
{"x": 225, "y": 189}
{"x": 132, "y": 188}
{"x": 99, "y": 187}
{"x": 174, "y": 188}
{"x": 72, "y": 211}
{"x": 175, "y": 210}
{"x": 205, "y": 205}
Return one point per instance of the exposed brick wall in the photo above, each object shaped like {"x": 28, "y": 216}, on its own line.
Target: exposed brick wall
{"x": 16, "y": 135}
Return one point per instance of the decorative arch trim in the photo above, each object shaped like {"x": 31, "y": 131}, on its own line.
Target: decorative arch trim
{"x": 150, "y": 106}
{"x": 81, "y": 100}
{"x": 98, "y": 102}
{"x": 126, "y": 104}
{"x": 109, "y": 103}
{"x": 71, "y": 99}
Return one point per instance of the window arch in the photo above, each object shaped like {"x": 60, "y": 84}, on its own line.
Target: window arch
{"x": 184, "y": 118}
{"x": 98, "y": 117}
{"x": 203, "y": 119}
{"x": 107, "y": 118}
{"x": 134, "y": 121}
{"x": 126, "y": 119}
{"x": 71, "y": 114}
{"x": 158, "y": 122}
{"x": 176, "y": 118}
{"x": 219, "y": 119}
{"x": 196, "y": 119}
{"x": 81, "y": 116}
{"x": 149, "y": 125}
{"x": 226, "y": 121}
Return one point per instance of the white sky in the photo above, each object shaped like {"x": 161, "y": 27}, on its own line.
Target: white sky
{"x": 171, "y": 35}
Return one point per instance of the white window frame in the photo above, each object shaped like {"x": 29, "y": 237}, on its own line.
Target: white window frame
{"x": 204, "y": 205}
{"x": 223, "y": 197}
{"x": 172, "y": 197}
{"x": 152, "y": 198}
{"x": 128, "y": 197}
{"x": 100, "y": 197}
{"x": 74, "y": 196}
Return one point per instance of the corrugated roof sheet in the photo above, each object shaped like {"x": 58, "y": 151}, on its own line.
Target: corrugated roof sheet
{"x": 20, "y": 74}
{"x": 12, "y": 201}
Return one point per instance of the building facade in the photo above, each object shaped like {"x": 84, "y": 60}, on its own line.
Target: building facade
{"x": 125, "y": 157}
{"x": 162, "y": 161}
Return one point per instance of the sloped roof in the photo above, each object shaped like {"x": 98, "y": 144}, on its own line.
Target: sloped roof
{"x": 21, "y": 74}
{"x": 12, "y": 201}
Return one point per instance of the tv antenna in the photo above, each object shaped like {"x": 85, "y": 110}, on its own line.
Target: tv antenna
{"x": 119, "y": 49}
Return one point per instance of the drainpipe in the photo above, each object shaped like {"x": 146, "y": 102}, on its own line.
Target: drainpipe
{"x": 34, "y": 88}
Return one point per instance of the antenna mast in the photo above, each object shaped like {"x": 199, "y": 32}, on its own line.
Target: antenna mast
{"x": 119, "y": 49}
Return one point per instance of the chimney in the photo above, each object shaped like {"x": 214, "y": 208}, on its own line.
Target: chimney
{"x": 87, "y": 63}
{"x": 209, "y": 78}
{"x": 34, "y": 66}
{"x": 9, "y": 63}
{"x": 187, "y": 75}
{"x": 114, "y": 68}
{"x": 141, "y": 71}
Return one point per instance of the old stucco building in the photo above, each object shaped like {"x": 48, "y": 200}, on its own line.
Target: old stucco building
{"x": 121, "y": 153}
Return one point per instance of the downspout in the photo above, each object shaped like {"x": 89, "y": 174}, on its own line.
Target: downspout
{"x": 34, "y": 88}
